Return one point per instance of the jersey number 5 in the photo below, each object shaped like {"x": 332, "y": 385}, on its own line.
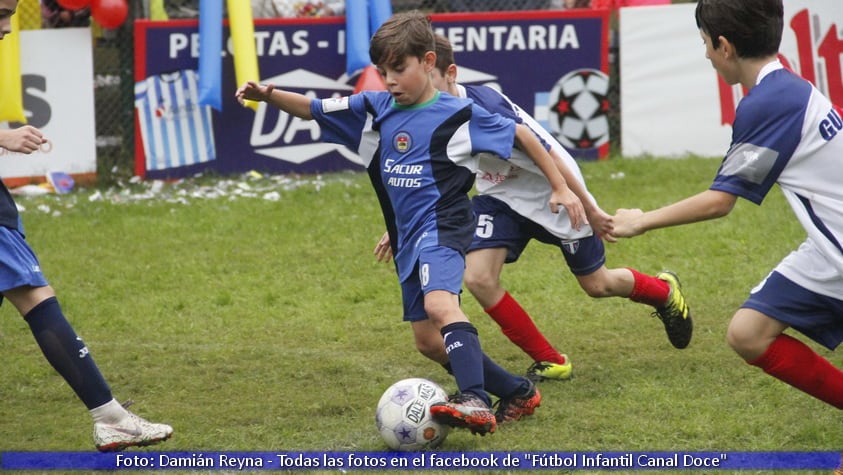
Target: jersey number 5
{"x": 485, "y": 226}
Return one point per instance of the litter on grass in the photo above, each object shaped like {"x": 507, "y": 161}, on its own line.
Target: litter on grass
{"x": 251, "y": 185}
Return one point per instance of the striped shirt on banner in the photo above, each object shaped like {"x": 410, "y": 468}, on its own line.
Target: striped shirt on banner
{"x": 176, "y": 131}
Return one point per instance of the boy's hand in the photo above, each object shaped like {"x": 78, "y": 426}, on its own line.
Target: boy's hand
{"x": 601, "y": 223}
{"x": 253, "y": 91}
{"x": 383, "y": 250}
{"x": 572, "y": 204}
{"x": 26, "y": 139}
{"x": 625, "y": 222}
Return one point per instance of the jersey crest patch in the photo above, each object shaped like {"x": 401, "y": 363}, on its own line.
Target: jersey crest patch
{"x": 571, "y": 246}
{"x": 402, "y": 142}
{"x": 334, "y": 104}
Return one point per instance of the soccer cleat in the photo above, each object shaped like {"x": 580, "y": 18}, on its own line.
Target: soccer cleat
{"x": 133, "y": 431}
{"x": 465, "y": 410}
{"x": 544, "y": 370}
{"x": 514, "y": 408}
{"x": 675, "y": 313}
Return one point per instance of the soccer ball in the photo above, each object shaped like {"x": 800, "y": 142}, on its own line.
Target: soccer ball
{"x": 403, "y": 415}
{"x": 579, "y": 108}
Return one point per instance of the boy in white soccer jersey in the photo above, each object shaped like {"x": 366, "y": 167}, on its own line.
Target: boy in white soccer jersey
{"x": 420, "y": 149}
{"x": 510, "y": 212}
{"x": 785, "y": 132}
{"x": 23, "y": 284}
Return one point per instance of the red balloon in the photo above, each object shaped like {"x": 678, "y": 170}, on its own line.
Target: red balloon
{"x": 74, "y": 4}
{"x": 109, "y": 13}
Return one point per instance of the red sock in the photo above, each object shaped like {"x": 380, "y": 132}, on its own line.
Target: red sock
{"x": 517, "y": 325}
{"x": 793, "y": 362}
{"x": 648, "y": 289}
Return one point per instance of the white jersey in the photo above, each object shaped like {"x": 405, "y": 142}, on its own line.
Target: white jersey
{"x": 176, "y": 131}
{"x": 787, "y": 132}
{"x": 518, "y": 182}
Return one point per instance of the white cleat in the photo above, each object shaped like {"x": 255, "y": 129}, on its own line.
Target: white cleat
{"x": 133, "y": 431}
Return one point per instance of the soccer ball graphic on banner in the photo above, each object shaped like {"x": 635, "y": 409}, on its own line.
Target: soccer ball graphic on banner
{"x": 579, "y": 108}
{"x": 403, "y": 415}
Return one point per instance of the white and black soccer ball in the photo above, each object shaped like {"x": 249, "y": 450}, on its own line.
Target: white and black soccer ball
{"x": 403, "y": 415}
{"x": 579, "y": 109}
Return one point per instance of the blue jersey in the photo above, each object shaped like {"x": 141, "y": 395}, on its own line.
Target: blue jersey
{"x": 422, "y": 161}
{"x": 787, "y": 133}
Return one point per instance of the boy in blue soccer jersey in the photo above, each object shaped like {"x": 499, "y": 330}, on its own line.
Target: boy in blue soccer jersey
{"x": 23, "y": 284}
{"x": 785, "y": 132}
{"x": 510, "y": 209}
{"x": 421, "y": 150}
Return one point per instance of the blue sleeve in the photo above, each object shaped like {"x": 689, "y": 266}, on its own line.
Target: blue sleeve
{"x": 342, "y": 119}
{"x": 491, "y": 133}
{"x": 766, "y": 132}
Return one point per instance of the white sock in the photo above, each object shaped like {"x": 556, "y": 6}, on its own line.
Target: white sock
{"x": 111, "y": 412}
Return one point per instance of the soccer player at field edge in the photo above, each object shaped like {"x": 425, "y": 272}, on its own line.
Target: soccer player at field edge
{"x": 786, "y": 132}
{"x": 23, "y": 284}
{"x": 509, "y": 206}
{"x": 420, "y": 149}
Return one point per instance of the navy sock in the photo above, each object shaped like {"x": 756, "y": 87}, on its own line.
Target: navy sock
{"x": 67, "y": 353}
{"x": 466, "y": 358}
{"x": 501, "y": 382}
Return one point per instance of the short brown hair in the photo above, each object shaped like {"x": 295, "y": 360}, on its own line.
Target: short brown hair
{"x": 444, "y": 54}
{"x": 403, "y": 35}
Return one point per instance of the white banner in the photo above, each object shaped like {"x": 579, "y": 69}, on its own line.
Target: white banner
{"x": 58, "y": 98}
{"x": 672, "y": 101}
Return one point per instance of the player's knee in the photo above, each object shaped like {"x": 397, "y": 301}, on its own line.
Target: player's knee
{"x": 744, "y": 342}
{"x": 479, "y": 282}
{"x": 436, "y": 312}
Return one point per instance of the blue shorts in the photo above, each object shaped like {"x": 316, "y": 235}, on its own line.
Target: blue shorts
{"x": 508, "y": 229}
{"x": 18, "y": 264}
{"x": 816, "y": 316}
{"x": 438, "y": 268}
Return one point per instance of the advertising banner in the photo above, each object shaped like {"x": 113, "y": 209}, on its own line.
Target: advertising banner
{"x": 553, "y": 64}
{"x": 672, "y": 101}
{"x": 58, "y": 98}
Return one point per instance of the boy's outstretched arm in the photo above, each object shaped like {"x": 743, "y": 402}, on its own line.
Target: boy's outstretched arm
{"x": 292, "y": 103}
{"x": 710, "y": 204}
{"x": 562, "y": 194}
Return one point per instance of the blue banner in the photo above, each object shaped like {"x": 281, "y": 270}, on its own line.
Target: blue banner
{"x": 413, "y": 461}
{"x": 552, "y": 63}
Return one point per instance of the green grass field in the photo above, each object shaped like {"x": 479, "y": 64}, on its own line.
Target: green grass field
{"x": 259, "y": 324}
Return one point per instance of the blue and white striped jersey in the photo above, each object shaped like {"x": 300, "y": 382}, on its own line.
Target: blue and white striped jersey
{"x": 787, "y": 132}
{"x": 175, "y": 129}
{"x": 422, "y": 161}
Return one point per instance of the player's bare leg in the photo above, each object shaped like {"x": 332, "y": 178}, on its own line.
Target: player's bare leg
{"x": 760, "y": 341}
